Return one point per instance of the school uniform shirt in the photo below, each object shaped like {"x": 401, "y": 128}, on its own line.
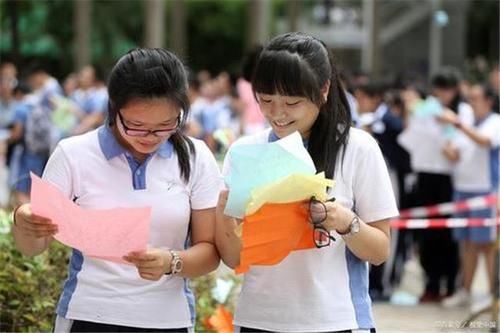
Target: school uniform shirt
{"x": 326, "y": 289}
{"x": 96, "y": 172}
{"x": 425, "y": 137}
{"x": 477, "y": 167}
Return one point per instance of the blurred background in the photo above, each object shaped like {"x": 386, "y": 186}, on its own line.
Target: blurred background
{"x": 382, "y": 37}
{"x": 394, "y": 56}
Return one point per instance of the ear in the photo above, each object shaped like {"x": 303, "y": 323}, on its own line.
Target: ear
{"x": 324, "y": 91}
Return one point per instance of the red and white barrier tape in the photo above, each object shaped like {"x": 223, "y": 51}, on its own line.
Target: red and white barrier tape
{"x": 449, "y": 208}
{"x": 442, "y": 223}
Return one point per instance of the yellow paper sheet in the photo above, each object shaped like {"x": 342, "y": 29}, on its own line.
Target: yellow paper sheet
{"x": 293, "y": 188}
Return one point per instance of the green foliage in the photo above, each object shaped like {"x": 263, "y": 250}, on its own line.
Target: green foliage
{"x": 29, "y": 287}
{"x": 216, "y": 31}
{"x": 205, "y": 303}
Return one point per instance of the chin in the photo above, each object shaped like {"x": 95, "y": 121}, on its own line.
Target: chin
{"x": 146, "y": 149}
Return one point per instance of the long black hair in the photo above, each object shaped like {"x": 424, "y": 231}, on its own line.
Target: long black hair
{"x": 152, "y": 73}
{"x": 296, "y": 64}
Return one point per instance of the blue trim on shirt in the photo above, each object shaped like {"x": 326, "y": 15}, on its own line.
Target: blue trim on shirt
{"x": 495, "y": 169}
{"x": 358, "y": 285}
{"x": 111, "y": 148}
{"x": 187, "y": 291}
{"x": 138, "y": 171}
{"x": 75, "y": 266}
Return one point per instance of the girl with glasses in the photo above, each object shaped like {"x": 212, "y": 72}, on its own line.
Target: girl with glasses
{"x": 138, "y": 158}
{"x": 324, "y": 289}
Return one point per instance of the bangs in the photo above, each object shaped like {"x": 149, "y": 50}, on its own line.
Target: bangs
{"x": 284, "y": 73}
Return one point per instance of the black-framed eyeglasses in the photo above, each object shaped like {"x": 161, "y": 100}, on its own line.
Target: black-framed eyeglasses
{"x": 144, "y": 132}
{"x": 321, "y": 235}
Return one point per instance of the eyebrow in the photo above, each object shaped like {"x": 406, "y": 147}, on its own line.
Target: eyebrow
{"x": 140, "y": 123}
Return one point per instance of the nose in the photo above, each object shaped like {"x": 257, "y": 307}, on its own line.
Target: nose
{"x": 275, "y": 111}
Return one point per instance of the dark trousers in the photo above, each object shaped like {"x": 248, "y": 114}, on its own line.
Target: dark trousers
{"x": 438, "y": 251}
{"x": 87, "y": 326}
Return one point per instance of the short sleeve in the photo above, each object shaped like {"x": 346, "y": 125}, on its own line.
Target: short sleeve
{"x": 372, "y": 190}
{"x": 206, "y": 181}
{"x": 58, "y": 172}
{"x": 492, "y": 131}
{"x": 21, "y": 114}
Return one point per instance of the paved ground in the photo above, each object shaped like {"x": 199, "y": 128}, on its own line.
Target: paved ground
{"x": 425, "y": 318}
{"x": 430, "y": 318}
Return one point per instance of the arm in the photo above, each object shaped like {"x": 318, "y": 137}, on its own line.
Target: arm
{"x": 371, "y": 243}
{"x": 227, "y": 241}
{"x": 449, "y": 117}
{"x": 32, "y": 234}
{"x": 451, "y": 152}
{"x": 474, "y": 135}
{"x": 201, "y": 258}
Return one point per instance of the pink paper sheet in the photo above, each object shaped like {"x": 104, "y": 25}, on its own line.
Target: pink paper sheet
{"x": 103, "y": 233}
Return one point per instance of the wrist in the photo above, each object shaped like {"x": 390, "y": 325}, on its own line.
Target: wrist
{"x": 353, "y": 228}
{"x": 167, "y": 263}
{"x": 176, "y": 263}
{"x": 14, "y": 221}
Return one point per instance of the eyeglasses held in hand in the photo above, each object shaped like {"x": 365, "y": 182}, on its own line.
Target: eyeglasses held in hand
{"x": 143, "y": 132}
{"x": 321, "y": 236}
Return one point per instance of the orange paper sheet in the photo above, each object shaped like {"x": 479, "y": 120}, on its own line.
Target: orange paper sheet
{"x": 271, "y": 233}
{"x": 105, "y": 233}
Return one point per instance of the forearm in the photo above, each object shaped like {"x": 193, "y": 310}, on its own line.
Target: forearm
{"x": 370, "y": 244}
{"x": 475, "y": 136}
{"x": 227, "y": 241}
{"x": 200, "y": 259}
{"x": 29, "y": 246}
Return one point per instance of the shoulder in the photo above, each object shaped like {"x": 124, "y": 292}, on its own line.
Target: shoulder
{"x": 80, "y": 143}
{"x": 201, "y": 153}
{"x": 199, "y": 145}
{"x": 361, "y": 140}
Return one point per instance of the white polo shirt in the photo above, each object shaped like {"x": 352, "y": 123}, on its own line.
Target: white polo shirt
{"x": 97, "y": 172}
{"x": 425, "y": 137}
{"x": 477, "y": 167}
{"x": 318, "y": 290}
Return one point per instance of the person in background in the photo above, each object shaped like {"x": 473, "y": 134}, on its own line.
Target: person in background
{"x": 475, "y": 154}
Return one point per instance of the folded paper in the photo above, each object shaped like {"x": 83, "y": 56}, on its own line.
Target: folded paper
{"x": 254, "y": 165}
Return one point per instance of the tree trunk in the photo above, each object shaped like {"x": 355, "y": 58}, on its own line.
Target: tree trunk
{"x": 82, "y": 25}
{"x": 154, "y": 19}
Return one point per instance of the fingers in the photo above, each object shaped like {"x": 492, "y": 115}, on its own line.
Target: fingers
{"x": 221, "y": 203}
{"x": 150, "y": 265}
{"x": 33, "y": 225}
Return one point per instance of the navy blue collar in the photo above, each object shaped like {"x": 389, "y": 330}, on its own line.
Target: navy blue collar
{"x": 111, "y": 147}
{"x": 273, "y": 137}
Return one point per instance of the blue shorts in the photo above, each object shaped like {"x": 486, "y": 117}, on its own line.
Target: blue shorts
{"x": 474, "y": 234}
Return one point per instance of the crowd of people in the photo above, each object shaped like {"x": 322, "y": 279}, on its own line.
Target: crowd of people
{"x": 426, "y": 144}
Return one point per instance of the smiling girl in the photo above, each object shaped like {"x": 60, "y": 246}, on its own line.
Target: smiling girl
{"x": 324, "y": 289}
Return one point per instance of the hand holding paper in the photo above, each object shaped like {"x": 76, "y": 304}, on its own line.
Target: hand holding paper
{"x": 105, "y": 233}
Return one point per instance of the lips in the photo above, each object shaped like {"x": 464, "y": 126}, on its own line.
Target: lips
{"x": 148, "y": 144}
{"x": 282, "y": 124}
